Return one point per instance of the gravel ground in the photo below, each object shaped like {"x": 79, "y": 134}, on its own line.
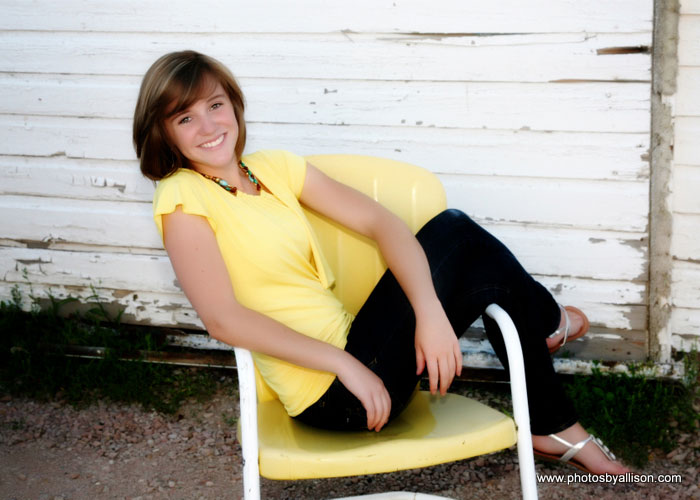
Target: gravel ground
{"x": 53, "y": 451}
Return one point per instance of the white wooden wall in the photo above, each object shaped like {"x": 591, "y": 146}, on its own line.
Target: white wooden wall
{"x": 535, "y": 115}
{"x": 685, "y": 247}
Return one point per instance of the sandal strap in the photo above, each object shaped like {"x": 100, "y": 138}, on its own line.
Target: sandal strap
{"x": 566, "y": 327}
{"x": 573, "y": 448}
{"x": 603, "y": 448}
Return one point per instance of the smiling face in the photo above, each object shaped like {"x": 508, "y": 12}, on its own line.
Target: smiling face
{"x": 206, "y": 132}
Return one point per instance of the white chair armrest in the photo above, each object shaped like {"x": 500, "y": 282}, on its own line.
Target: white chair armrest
{"x": 249, "y": 423}
{"x": 521, "y": 413}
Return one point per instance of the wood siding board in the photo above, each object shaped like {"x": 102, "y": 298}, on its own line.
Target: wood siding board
{"x": 545, "y": 251}
{"x": 45, "y": 219}
{"x": 101, "y": 263}
{"x": 50, "y": 218}
{"x": 448, "y": 17}
{"x": 142, "y": 304}
{"x": 74, "y": 178}
{"x": 591, "y": 254}
{"x": 522, "y": 58}
{"x": 690, "y": 7}
{"x": 621, "y": 206}
{"x": 686, "y": 285}
{"x": 686, "y": 189}
{"x": 689, "y": 41}
{"x": 685, "y": 244}
{"x": 687, "y": 98}
{"x": 686, "y": 321}
{"x": 687, "y": 146}
{"x": 485, "y": 152}
{"x": 593, "y": 107}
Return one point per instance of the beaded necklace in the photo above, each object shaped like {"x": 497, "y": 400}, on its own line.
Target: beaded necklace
{"x": 233, "y": 189}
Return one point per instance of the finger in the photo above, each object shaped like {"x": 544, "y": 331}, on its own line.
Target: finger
{"x": 433, "y": 375}
{"x": 369, "y": 407}
{"x": 383, "y": 416}
{"x": 420, "y": 361}
{"x": 444, "y": 376}
{"x": 458, "y": 359}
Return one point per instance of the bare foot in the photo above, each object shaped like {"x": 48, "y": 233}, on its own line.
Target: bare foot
{"x": 590, "y": 456}
{"x": 576, "y": 322}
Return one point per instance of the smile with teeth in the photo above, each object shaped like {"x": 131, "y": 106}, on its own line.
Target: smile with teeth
{"x": 214, "y": 143}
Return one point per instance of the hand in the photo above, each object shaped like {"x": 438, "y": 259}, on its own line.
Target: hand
{"x": 437, "y": 348}
{"x": 369, "y": 389}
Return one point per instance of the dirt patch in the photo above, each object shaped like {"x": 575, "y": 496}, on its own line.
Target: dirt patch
{"x": 53, "y": 451}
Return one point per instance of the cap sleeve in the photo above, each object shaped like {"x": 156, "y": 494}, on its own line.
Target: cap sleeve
{"x": 182, "y": 188}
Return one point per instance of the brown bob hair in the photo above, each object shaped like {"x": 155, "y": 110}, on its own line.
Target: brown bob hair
{"x": 172, "y": 84}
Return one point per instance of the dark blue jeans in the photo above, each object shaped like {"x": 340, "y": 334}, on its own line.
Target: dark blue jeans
{"x": 470, "y": 269}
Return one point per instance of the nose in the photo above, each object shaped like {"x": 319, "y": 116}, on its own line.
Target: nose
{"x": 206, "y": 125}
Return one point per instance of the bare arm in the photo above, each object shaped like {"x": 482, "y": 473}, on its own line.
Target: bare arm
{"x": 437, "y": 347}
{"x": 202, "y": 273}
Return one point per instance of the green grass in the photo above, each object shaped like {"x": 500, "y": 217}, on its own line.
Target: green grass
{"x": 632, "y": 414}
{"x": 32, "y": 364}
{"x": 635, "y": 415}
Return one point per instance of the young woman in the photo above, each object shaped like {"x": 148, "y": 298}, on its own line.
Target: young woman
{"x": 248, "y": 261}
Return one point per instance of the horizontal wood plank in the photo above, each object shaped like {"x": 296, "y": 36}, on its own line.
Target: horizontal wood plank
{"x": 621, "y": 206}
{"x": 690, "y": 7}
{"x": 689, "y": 41}
{"x": 139, "y": 278}
{"x": 592, "y": 107}
{"x": 505, "y": 200}
{"x": 685, "y": 282}
{"x": 47, "y": 223}
{"x": 687, "y": 98}
{"x": 686, "y": 189}
{"x": 521, "y": 58}
{"x": 686, "y": 237}
{"x": 481, "y": 152}
{"x": 686, "y": 149}
{"x": 383, "y": 16}
{"x": 685, "y": 321}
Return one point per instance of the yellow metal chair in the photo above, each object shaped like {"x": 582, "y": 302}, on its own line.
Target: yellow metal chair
{"x": 431, "y": 430}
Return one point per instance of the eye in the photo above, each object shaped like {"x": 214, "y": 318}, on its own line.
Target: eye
{"x": 217, "y": 105}
{"x": 185, "y": 119}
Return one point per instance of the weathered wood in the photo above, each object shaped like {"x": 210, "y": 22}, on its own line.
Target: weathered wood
{"x": 687, "y": 98}
{"x": 686, "y": 237}
{"x": 536, "y": 117}
{"x": 480, "y": 152}
{"x": 689, "y": 41}
{"x": 686, "y": 284}
{"x": 596, "y": 255}
{"x": 687, "y": 147}
{"x": 98, "y": 222}
{"x": 686, "y": 321}
{"x": 619, "y": 206}
{"x": 165, "y": 309}
{"x": 589, "y": 107}
{"x": 519, "y": 58}
{"x": 212, "y": 16}
{"x": 686, "y": 189}
{"x": 690, "y": 7}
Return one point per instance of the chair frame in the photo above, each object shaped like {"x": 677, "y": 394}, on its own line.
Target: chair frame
{"x": 249, "y": 414}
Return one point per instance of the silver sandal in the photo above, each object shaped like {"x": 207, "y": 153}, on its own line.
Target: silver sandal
{"x": 573, "y": 449}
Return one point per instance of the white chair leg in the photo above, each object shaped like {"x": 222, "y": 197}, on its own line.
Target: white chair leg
{"x": 249, "y": 423}
{"x": 526, "y": 457}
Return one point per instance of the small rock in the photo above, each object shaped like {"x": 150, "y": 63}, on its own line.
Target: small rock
{"x": 209, "y": 483}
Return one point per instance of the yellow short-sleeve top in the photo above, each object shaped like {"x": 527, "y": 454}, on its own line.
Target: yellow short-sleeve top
{"x": 273, "y": 259}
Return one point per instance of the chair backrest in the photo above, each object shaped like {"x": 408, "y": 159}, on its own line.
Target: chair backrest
{"x": 413, "y": 193}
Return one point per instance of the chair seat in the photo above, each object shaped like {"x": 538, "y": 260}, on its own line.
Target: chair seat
{"x": 430, "y": 431}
